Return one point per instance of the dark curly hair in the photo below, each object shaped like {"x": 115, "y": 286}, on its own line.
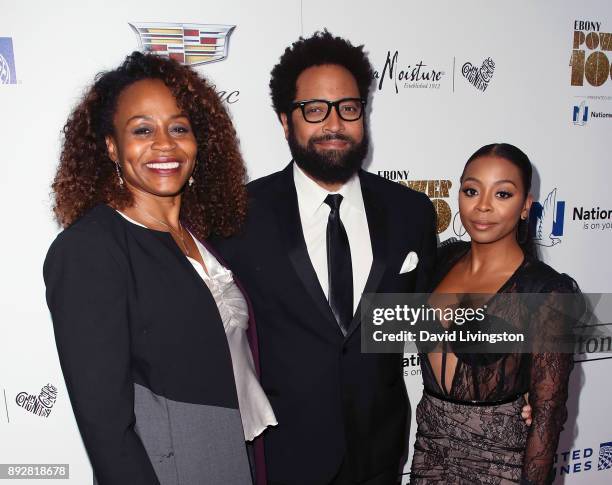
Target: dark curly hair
{"x": 320, "y": 49}
{"x": 217, "y": 201}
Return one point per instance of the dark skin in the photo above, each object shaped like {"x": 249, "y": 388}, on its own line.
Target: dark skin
{"x": 492, "y": 201}
{"x": 156, "y": 149}
{"x": 330, "y": 82}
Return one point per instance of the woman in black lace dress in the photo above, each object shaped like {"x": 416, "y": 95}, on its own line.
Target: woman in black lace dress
{"x": 469, "y": 426}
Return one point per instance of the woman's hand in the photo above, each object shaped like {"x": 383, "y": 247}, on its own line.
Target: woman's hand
{"x": 526, "y": 411}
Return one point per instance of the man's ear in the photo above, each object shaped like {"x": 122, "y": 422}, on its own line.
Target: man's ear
{"x": 111, "y": 148}
{"x": 285, "y": 122}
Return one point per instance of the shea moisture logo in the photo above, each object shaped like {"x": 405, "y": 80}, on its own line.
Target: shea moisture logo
{"x": 40, "y": 405}
{"x": 436, "y": 190}
{"x": 479, "y": 77}
{"x": 417, "y": 75}
{"x": 589, "y": 59}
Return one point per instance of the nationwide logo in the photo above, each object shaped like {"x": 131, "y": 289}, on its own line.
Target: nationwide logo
{"x": 547, "y": 220}
{"x": 595, "y": 68}
{"x": 479, "y": 77}
{"x": 416, "y": 75}
{"x": 7, "y": 61}
{"x": 190, "y": 44}
{"x": 40, "y": 405}
{"x": 581, "y": 114}
{"x": 411, "y": 364}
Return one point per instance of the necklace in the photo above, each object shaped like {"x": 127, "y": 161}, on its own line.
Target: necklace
{"x": 179, "y": 235}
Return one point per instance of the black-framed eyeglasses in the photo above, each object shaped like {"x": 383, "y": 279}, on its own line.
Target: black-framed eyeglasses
{"x": 317, "y": 110}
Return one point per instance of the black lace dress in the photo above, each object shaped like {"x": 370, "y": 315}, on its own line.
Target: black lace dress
{"x": 472, "y": 432}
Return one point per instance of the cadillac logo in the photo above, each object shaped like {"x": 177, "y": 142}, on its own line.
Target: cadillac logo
{"x": 190, "y": 44}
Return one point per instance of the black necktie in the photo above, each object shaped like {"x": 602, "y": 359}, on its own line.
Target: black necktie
{"x": 339, "y": 268}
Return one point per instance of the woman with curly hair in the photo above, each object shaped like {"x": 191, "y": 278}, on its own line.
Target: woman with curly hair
{"x": 150, "y": 326}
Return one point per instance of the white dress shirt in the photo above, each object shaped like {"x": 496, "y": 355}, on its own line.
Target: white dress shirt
{"x": 314, "y": 213}
{"x": 255, "y": 409}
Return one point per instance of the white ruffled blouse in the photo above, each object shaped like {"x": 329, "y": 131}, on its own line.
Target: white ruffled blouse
{"x": 255, "y": 409}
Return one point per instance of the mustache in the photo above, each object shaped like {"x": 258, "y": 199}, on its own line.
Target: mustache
{"x": 332, "y": 136}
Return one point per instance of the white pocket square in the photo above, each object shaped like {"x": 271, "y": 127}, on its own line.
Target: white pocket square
{"x": 410, "y": 262}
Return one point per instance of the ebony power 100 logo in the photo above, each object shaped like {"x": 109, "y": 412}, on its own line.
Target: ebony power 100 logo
{"x": 589, "y": 59}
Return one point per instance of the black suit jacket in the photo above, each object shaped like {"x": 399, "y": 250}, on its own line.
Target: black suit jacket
{"x": 332, "y": 402}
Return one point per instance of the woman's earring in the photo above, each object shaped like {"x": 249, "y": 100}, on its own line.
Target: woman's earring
{"x": 522, "y": 235}
{"x": 118, "y": 170}
{"x": 191, "y": 181}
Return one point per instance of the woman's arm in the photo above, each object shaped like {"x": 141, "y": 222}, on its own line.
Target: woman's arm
{"x": 548, "y": 393}
{"x": 550, "y": 371}
{"x": 87, "y": 297}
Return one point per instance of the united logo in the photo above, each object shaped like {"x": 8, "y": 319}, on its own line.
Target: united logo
{"x": 605, "y": 456}
{"x": 7, "y": 61}
{"x": 190, "y": 44}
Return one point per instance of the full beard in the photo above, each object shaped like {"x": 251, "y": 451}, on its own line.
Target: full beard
{"x": 329, "y": 166}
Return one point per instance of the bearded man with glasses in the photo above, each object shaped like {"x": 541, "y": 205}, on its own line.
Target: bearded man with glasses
{"x": 319, "y": 234}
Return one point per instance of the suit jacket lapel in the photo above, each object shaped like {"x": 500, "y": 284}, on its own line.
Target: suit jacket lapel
{"x": 377, "y": 225}
{"x": 291, "y": 228}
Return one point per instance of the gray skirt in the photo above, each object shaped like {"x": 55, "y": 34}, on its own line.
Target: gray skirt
{"x": 468, "y": 444}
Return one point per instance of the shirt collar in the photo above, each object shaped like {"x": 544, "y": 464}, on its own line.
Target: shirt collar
{"x": 311, "y": 195}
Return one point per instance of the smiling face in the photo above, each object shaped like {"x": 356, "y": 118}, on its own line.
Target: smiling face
{"x": 492, "y": 199}
{"x": 153, "y": 140}
{"x": 333, "y": 150}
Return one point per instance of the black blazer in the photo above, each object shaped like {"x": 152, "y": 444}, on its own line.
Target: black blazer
{"x": 144, "y": 355}
{"x": 332, "y": 402}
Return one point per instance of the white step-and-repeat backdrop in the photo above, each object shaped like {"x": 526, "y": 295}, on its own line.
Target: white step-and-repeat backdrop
{"x": 450, "y": 77}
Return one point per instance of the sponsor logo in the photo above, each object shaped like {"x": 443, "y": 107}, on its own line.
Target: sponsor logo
{"x": 40, "y": 405}
{"x": 415, "y": 75}
{"x": 191, "y": 44}
{"x": 412, "y": 365}
{"x": 580, "y": 115}
{"x": 436, "y": 190}
{"x": 581, "y": 460}
{"x": 573, "y": 461}
{"x": 589, "y": 59}
{"x": 547, "y": 220}
{"x": 7, "y": 61}
{"x": 605, "y": 456}
{"x": 479, "y": 77}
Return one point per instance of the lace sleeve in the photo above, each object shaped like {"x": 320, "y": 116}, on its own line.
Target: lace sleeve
{"x": 548, "y": 387}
